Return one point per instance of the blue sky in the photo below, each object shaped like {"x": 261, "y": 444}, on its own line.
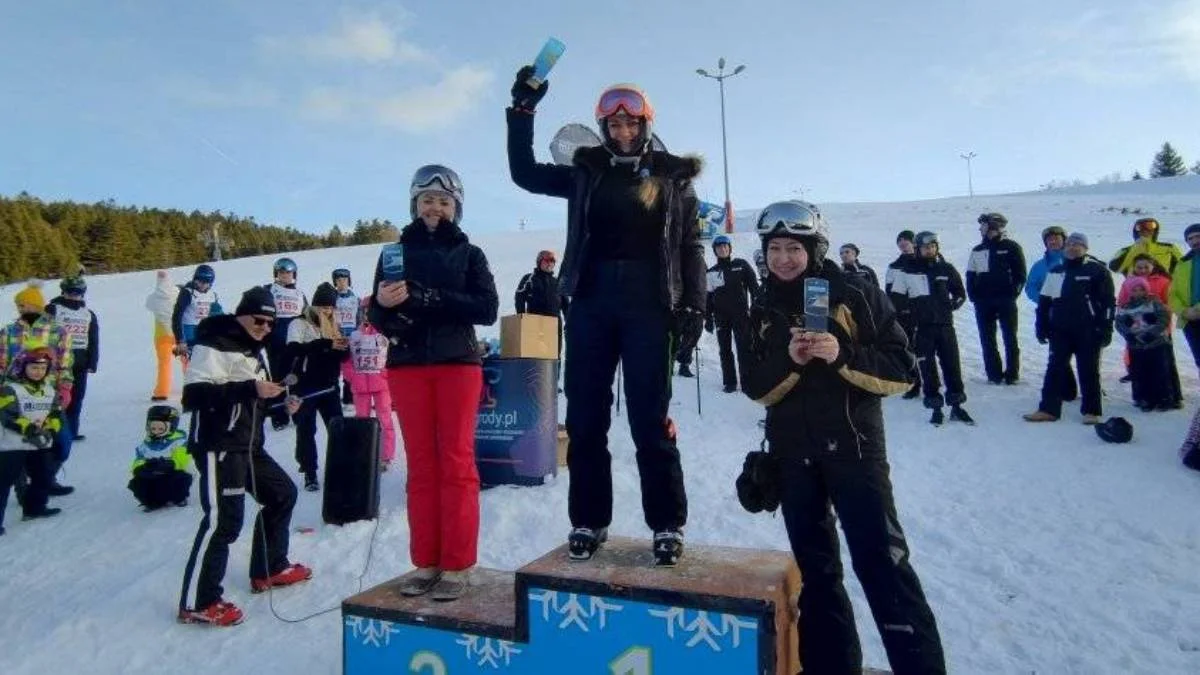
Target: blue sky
{"x": 314, "y": 113}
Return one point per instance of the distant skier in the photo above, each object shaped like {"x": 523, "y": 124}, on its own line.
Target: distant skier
{"x": 161, "y": 303}
{"x": 345, "y": 316}
{"x": 71, "y": 312}
{"x": 731, "y": 284}
{"x": 933, "y": 290}
{"x": 853, "y": 268}
{"x": 995, "y": 277}
{"x": 290, "y": 302}
{"x": 196, "y": 301}
{"x": 537, "y": 293}
{"x": 904, "y": 317}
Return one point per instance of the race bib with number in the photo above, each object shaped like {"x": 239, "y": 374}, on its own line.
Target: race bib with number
{"x": 75, "y": 323}
{"x": 368, "y": 352}
{"x": 345, "y": 312}
{"x": 289, "y": 302}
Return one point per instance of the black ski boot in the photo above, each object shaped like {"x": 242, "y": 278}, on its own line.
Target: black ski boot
{"x": 913, "y": 393}
{"x": 937, "y": 418}
{"x": 957, "y": 414}
{"x": 685, "y": 371}
{"x": 583, "y": 542}
{"x": 668, "y": 548}
{"x": 311, "y": 483}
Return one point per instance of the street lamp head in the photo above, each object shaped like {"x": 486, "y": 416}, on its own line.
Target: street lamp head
{"x": 721, "y": 63}
{"x": 738, "y": 69}
{"x": 701, "y": 71}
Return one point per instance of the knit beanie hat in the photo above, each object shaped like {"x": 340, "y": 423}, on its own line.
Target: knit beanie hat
{"x": 1077, "y": 238}
{"x": 325, "y": 295}
{"x": 31, "y": 296}
{"x": 257, "y": 300}
{"x": 1135, "y": 282}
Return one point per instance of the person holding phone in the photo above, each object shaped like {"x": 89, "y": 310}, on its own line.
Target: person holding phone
{"x": 634, "y": 270}
{"x": 435, "y": 376}
{"x": 823, "y": 393}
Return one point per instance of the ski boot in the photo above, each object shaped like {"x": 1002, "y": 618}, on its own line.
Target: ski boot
{"x": 937, "y": 418}
{"x": 668, "y": 548}
{"x": 957, "y": 414}
{"x": 685, "y": 371}
{"x": 311, "y": 483}
{"x": 583, "y": 542}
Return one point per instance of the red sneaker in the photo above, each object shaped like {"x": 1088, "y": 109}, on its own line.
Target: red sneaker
{"x": 220, "y": 613}
{"x": 292, "y": 574}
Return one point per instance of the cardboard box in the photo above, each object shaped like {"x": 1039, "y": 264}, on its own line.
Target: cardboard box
{"x": 562, "y": 445}
{"x": 528, "y": 336}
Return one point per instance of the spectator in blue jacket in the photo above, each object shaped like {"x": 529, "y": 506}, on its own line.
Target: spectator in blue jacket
{"x": 1054, "y": 238}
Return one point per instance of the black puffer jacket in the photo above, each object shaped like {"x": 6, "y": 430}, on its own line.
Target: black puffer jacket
{"x": 453, "y": 278}
{"x": 680, "y": 256}
{"x": 931, "y": 290}
{"x": 996, "y": 272}
{"x": 820, "y": 409}
{"x": 537, "y": 293}
{"x": 219, "y": 390}
{"x": 1077, "y": 300}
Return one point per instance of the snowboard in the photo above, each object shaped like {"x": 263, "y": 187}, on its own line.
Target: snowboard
{"x": 575, "y": 135}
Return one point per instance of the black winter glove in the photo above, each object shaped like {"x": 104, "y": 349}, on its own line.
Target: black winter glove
{"x": 525, "y": 97}
{"x": 709, "y": 325}
{"x": 420, "y": 297}
{"x": 687, "y": 320}
{"x": 39, "y": 438}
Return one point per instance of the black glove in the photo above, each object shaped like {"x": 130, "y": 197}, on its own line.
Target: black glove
{"x": 421, "y": 297}
{"x": 709, "y": 325}
{"x": 687, "y": 320}
{"x": 525, "y": 97}
{"x": 39, "y": 438}
{"x": 758, "y": 484}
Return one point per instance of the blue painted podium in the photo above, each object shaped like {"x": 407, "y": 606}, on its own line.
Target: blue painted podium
{"x": 722, "y": 610}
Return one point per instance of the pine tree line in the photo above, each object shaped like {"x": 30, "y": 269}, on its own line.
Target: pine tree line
{"x": 51, "y": 239}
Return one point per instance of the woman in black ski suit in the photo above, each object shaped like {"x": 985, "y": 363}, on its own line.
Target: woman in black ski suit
{"x": 634, "y": 272}
{"x": 823, "y": 392}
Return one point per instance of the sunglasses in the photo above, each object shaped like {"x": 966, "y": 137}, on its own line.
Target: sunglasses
{"x": 260, "y": 322}
{"x": 613, "y": 100}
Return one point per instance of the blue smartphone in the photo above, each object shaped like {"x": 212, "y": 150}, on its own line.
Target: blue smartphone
{"x": 393, "y": 262}
{"x": 816, "y": 305}
{"x": 551, "y": 52}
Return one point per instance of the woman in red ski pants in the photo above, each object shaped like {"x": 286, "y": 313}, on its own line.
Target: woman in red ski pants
{"x": 436, "y": 379}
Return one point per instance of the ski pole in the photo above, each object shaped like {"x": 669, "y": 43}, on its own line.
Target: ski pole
{"x": 699, "y": 407}
{"x": 322, "y": 392}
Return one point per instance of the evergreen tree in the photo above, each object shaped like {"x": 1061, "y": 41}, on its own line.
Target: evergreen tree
{"x": 1196, "y": 168}
{"x": 1137, "y": 175}
{"x": 1167, "y": 163}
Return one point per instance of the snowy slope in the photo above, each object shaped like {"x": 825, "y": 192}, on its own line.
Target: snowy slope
{"x": 1042, "y": 549}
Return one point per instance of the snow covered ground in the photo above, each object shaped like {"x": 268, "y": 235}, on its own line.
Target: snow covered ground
{"x": 1042, "y": 549}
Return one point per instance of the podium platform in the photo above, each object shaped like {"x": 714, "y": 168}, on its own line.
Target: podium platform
{"x": 721, "y": 610}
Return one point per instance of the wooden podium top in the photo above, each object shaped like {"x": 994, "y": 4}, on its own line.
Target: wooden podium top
{"x": 722, "y": 578}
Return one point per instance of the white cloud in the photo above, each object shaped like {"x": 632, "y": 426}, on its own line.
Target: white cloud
{"x": 203, "y": 94}
{"x": 1180, "y": 33}
{"x": 436, "y": 106}
{"x": 364, "y": 38}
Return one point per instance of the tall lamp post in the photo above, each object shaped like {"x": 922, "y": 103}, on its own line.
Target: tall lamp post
{"x": 970, "y": 181}
{"x": 720, "y": 77}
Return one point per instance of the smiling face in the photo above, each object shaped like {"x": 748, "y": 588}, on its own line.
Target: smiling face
{"x": 787, "y": 258}
{"x": 433, "y": 207}
{"x": 623, "y": 130}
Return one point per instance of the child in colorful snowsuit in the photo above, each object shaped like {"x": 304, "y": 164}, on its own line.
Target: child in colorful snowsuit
{"x": 160, "y": 467}
{"x": 30, "y": 417}
{"x": 368, "y": 382}
{"x": 1144, "y": 321}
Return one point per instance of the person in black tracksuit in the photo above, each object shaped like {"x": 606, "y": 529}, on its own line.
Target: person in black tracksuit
{"x": 904, "y": 242}
{"x": 853, "y": 268}
{"x": 995, "y": 279}
{"x": 1075, "y": 316}
{"x": 731, "y": 283}
{"x": 537, "y": 293}
{"x": 685, "y": 348}
{"x": 634, "y": 270}
{"x": 225, "y": 389}
{"x": 933, "y": 290}
{"x": 70, "y": 311}
{"x": 823, "y": 393}
{"x": 316, "y": 350}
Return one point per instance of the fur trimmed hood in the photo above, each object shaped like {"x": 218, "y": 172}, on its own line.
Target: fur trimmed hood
{"x": 660, "y": 164}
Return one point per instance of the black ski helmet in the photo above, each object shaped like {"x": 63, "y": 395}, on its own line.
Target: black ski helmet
{"x": 286, "y": 265}
{"x": 163, "y": 413}
{"x": 1115, "y": 430}
{"x": 341, "y": 273}
{"x": 797, "y": 220}
{"x": 204, "y": 273}
{"x": 73, "y": 285}
{"x": 924, "y": 238}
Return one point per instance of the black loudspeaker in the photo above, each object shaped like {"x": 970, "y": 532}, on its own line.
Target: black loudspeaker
{"x": 351, "y": 490}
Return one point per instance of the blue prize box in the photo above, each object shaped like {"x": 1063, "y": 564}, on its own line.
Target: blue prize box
{"x": 516, "y": 432}
{"x": 722, "y": 610}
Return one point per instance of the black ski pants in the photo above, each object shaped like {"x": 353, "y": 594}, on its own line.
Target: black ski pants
{"x": 618, "y": 317}
{"x": 1150, "y": 371}
{"x": 154, "y": 488}
{"x": 225, "y": 478}
{"x": 732, "y": 332}
{"x": 938, "y": 344}
{"x": 989, "y": 313}
{"x": 1085, "y": 348}
{"x": 329, "y": 407}
{"x": 12, "y": 463}
{"x": 860, "y": 492}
